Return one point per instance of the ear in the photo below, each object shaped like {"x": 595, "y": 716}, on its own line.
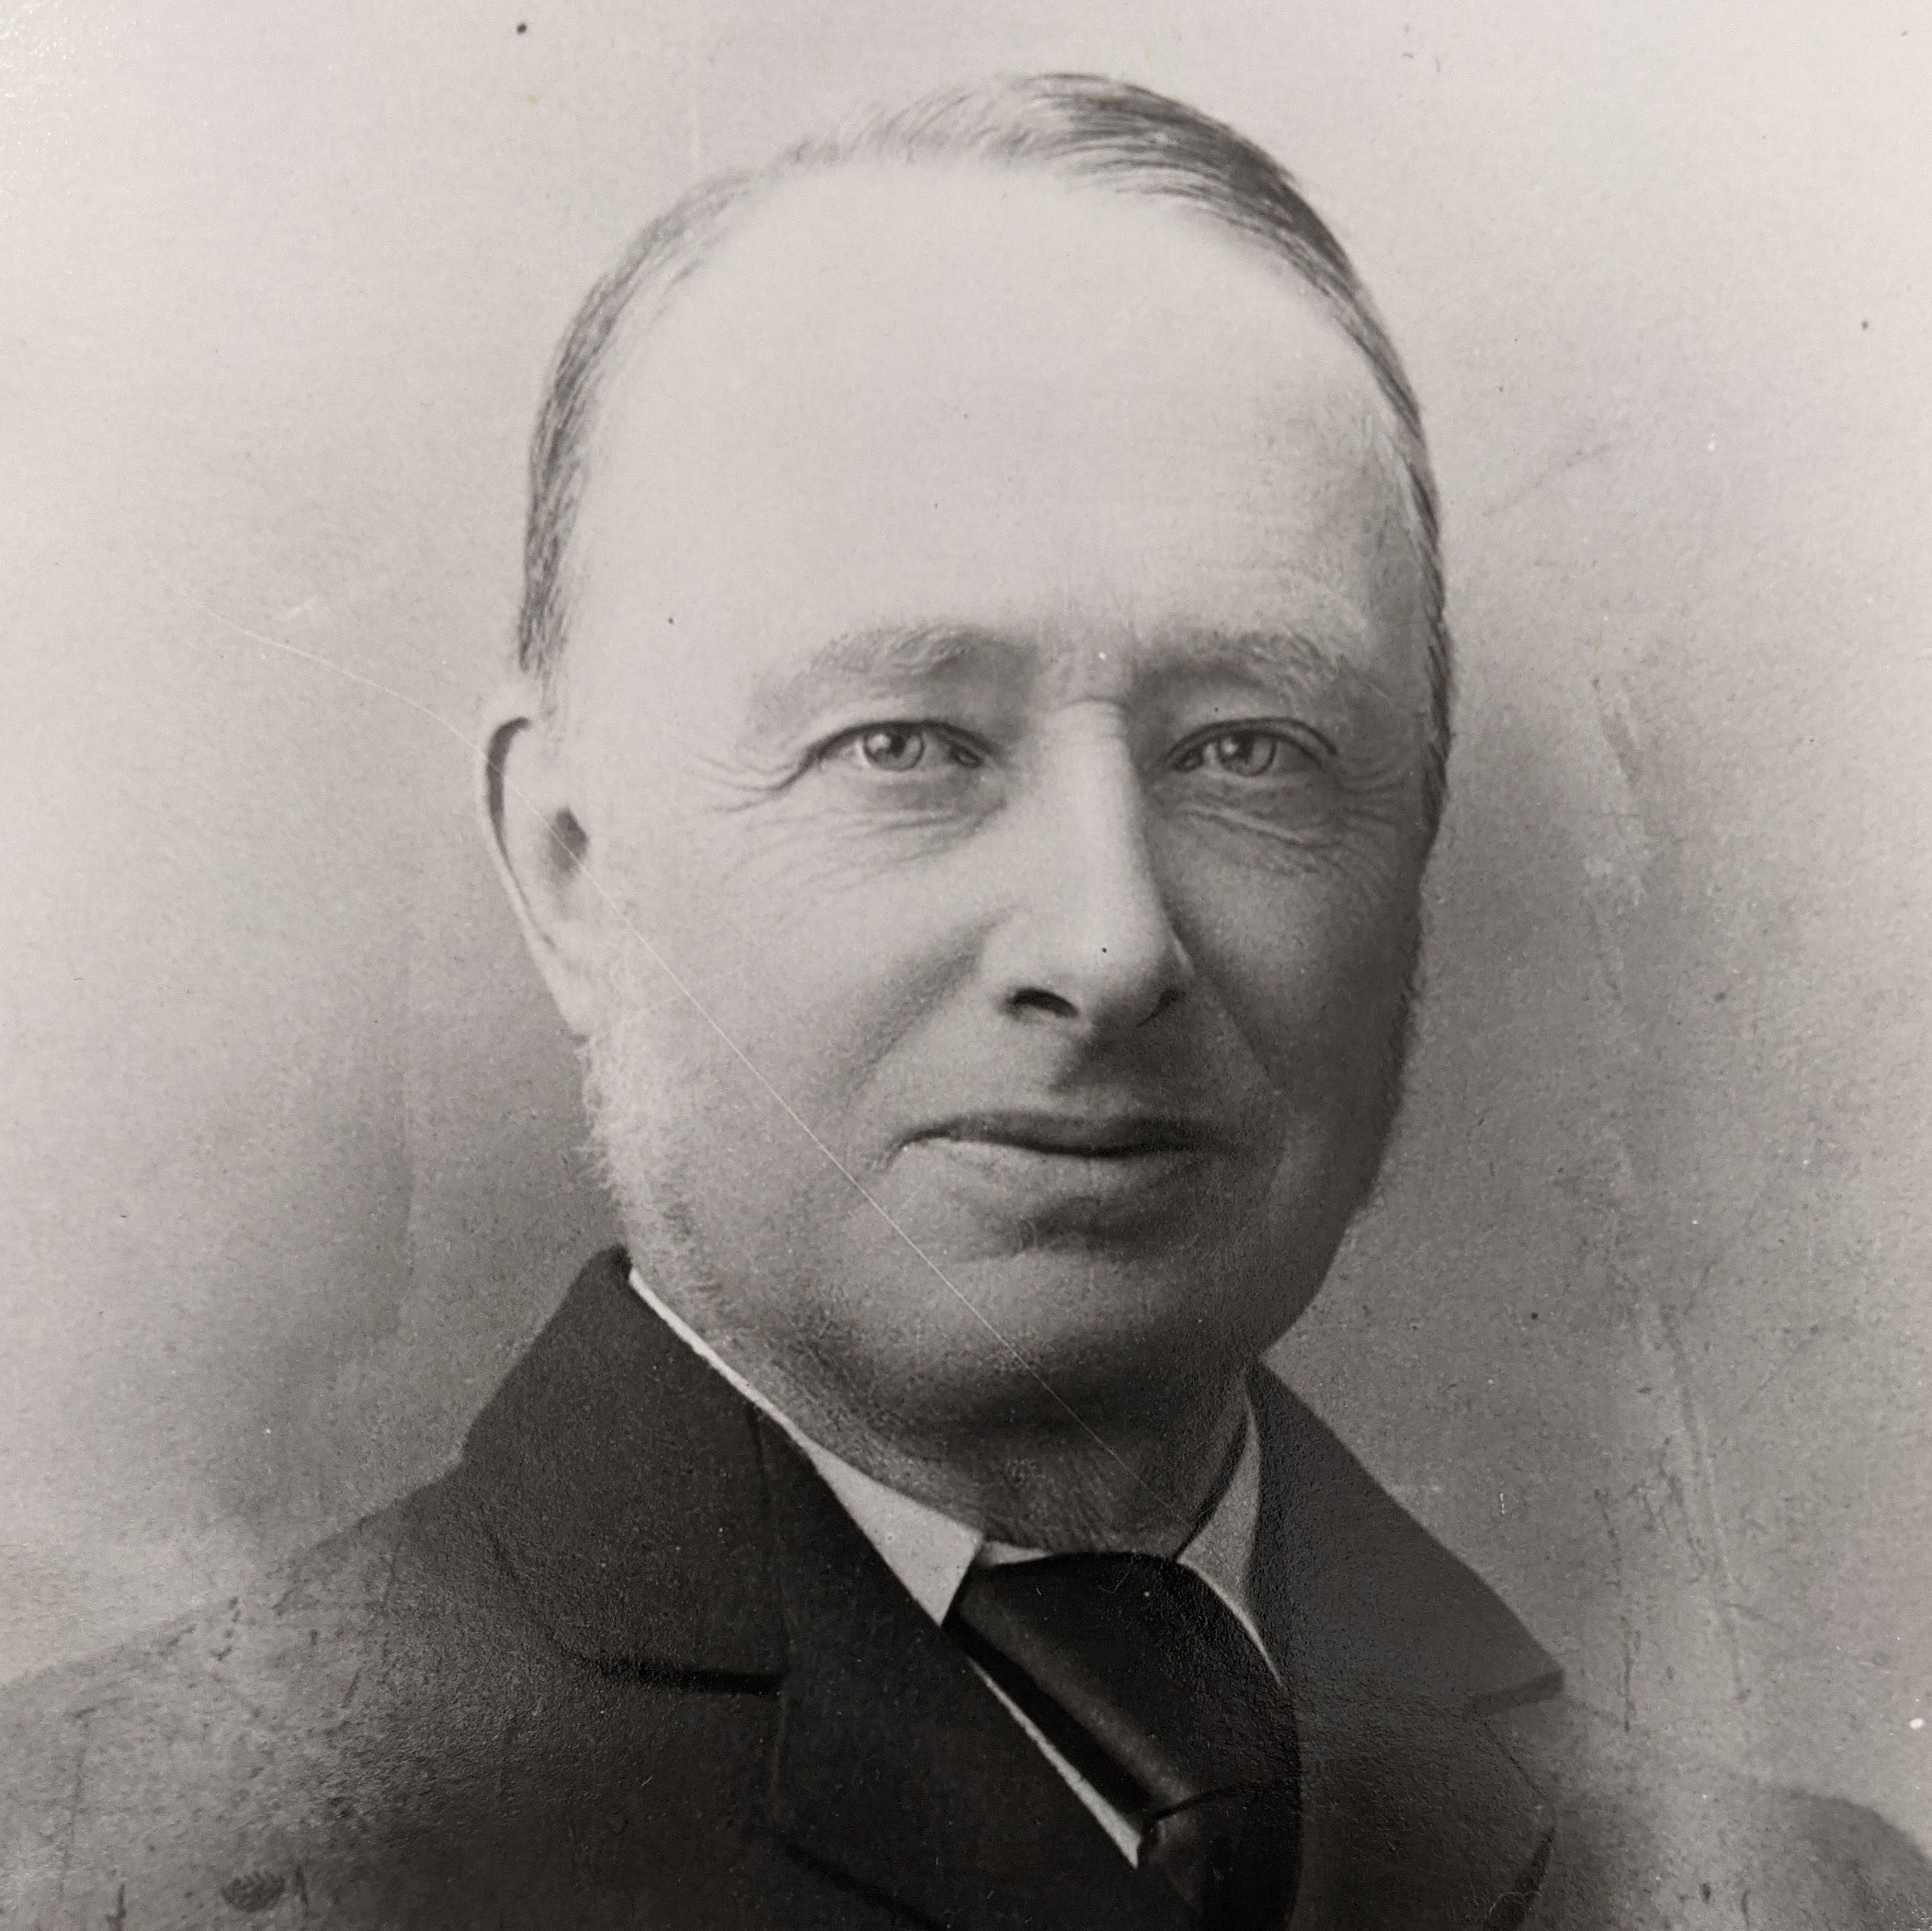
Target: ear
{"x": 541, "y": 847}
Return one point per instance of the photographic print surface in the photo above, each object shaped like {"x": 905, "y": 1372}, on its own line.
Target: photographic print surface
{"x": 1155, "y": 801}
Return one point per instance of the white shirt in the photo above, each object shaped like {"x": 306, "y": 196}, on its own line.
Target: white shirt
{"x": 930, "y": 1553}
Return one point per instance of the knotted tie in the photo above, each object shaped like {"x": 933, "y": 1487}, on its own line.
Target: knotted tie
{"x": 1135, "y": 1670}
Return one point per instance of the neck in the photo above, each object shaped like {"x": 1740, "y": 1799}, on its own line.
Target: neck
{"x": 1103, "y": 1482}
{"x": 1069, "y": 1488}
{"x": 1127, "y": 1476}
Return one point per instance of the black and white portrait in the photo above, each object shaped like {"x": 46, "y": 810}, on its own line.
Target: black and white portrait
{"x": 965, "y": 971}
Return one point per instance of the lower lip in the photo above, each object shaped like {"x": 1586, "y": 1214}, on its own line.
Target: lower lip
{"x": 1036, "y": 1180}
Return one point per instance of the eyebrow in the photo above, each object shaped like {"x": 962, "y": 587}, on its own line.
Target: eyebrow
{"x": 910, "y": 653}
{"x": 1279, "y": 652}
{"x": 886, "y": 654}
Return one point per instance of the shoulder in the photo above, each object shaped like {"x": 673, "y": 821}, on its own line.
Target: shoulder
{"x": 187, "y": 1728}
{"x": 376, "y": 1733}
{"x": 278, "y": 1644}
{"x": 1650, "y": 1835}
{"x": 1395, "y": 1638}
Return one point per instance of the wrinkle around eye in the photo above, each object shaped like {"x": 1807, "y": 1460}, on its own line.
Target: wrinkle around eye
{"x": 1316, "y": 807}
{"x": 1258, "y": 827}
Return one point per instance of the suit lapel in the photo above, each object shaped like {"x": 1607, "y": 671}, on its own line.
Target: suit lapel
{"x": 619, "y": 1481}
{"x": 898, "y": 1768}
{"x": 1414, "y": 1816}
{"x": 653, "y": 1520}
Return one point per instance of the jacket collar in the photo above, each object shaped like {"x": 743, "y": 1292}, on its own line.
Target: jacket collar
{"x": 653, "y": 1521}
{"x": 1412, "y": 1813}
{"x": 621, "y": 1481}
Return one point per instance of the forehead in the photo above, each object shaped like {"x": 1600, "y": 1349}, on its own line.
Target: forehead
{"x": 905, "y": 396}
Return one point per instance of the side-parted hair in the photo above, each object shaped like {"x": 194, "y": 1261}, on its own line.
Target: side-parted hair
{"x": 1079, "y": 127}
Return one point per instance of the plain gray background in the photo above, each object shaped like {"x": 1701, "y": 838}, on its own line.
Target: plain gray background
{"x": 289, "y": 1163}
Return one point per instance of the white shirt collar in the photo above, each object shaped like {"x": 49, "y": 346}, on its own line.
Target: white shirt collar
{"x": 930, "y": 1553}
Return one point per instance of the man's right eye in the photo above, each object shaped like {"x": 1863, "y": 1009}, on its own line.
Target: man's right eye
{"x": 892, "y": 749}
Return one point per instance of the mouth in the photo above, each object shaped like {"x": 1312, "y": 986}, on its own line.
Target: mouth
{"x": 1109, "y": 1137}
{"x": 1062, "y": 1171}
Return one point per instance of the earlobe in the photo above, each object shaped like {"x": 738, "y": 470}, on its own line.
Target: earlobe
{"x": 541, "y": 847}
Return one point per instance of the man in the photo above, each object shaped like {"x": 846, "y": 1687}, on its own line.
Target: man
{"x": 981, "y": 724}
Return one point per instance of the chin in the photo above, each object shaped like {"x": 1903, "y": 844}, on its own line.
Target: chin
{"x": 1060, "y": 1328}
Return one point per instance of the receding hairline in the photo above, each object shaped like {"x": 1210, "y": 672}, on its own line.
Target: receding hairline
{"x": 1078, "y": 130}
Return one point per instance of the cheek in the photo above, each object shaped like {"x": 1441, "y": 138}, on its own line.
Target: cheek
{"x": 799, "y": 970}
{"x": 1313, "y": 967}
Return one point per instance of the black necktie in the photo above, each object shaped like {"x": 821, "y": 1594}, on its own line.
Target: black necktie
{"x": 1135, "y": 1670}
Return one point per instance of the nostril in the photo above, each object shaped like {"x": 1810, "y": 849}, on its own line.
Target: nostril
{"x": 1037, "y": 999}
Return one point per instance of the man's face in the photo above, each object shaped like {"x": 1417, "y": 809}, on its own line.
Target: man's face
{"x": 995, "y": 697}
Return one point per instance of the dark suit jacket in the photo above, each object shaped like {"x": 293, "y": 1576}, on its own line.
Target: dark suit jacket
{"x": 630, "y": 1663}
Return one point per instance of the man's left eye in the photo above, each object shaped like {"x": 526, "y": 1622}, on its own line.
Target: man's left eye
{"x": 1238, "y": 754}
{"x": 891, "y": 747}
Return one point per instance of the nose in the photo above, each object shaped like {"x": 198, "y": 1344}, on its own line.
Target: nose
{"x": 1088, "y": 943}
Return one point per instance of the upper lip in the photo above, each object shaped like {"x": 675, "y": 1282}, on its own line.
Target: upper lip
{"x": 1098, "y": 1135}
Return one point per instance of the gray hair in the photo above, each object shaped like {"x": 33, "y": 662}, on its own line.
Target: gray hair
{"x": 1078, "y": 126}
